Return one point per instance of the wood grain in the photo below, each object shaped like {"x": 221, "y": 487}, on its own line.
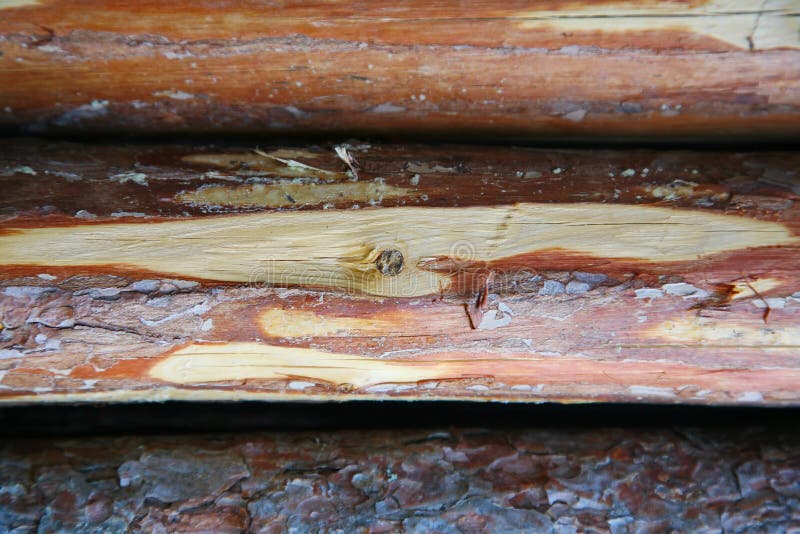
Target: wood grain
{"x": 602, "y": 69}
{"x": 527, "y": 275}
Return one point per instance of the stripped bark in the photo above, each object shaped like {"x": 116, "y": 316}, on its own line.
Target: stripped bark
{"x": 740, "y": 479}
{"x": 216, "y": 272}
{"x": 688, "y": 69}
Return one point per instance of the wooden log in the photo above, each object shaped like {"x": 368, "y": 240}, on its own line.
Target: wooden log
{"x": 736, "y": 479}
{"x": 664, "y": 69}
{"x": 134, "y": 273}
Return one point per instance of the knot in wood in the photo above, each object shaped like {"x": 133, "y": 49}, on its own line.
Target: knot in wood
{"x": 390, "y": 262}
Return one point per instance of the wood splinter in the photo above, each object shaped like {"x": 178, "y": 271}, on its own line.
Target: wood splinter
{"x": 476, "y": 310}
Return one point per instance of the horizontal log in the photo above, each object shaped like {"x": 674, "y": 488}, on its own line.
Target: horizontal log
{"x": 736, "y": 479}
{"x": 150, "y": 272}
{"x": 693, "y": 69}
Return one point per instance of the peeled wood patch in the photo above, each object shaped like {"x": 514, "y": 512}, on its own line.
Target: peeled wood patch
{"x": 254, "y": 162}
{"x": 242, "y": 361}
{"x": 710, "y": 332}
{"x": 291, "y": 194}
{"x": 741, "y": 23}
{"x": 339, "y": 248}
{"x": 306, "y": 323}
{"x": 8, "y": 4}
{"x": 213, "y": 363}
{"x": 743, "y": 289}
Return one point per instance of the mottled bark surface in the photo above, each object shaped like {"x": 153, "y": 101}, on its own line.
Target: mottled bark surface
{"x": 586, "y": 69}
{"x": 732, "y": 479}
{"x": 147, "y": 272}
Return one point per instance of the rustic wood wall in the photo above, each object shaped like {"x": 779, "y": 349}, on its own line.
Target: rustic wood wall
{"x": 182, "y": 269}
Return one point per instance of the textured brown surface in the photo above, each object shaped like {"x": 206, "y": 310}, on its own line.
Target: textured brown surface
{"x": 562, "y": 324}
{"x": 694, "y": 69}
{"x": 733, "y": 479}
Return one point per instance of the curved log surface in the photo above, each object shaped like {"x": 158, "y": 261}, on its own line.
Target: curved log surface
{"x": 734, "y": 479}
{"x": 662, "y": 69}
{"x": 139, "y": 272}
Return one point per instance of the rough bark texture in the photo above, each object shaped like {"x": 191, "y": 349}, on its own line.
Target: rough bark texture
{"x": 135, "y": 272}
{"x": 611, "y": 480}
{"x": 664, "y": 69}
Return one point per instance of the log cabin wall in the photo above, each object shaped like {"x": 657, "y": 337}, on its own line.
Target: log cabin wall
{"x": 207, "y": 203}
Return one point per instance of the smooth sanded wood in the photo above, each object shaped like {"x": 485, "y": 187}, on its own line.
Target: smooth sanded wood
{"x": 147, "y": 272}
{"x": 603, "y": 69}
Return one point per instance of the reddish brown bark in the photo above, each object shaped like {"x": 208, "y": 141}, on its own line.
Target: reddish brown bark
{"x": 582, "y": 69}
